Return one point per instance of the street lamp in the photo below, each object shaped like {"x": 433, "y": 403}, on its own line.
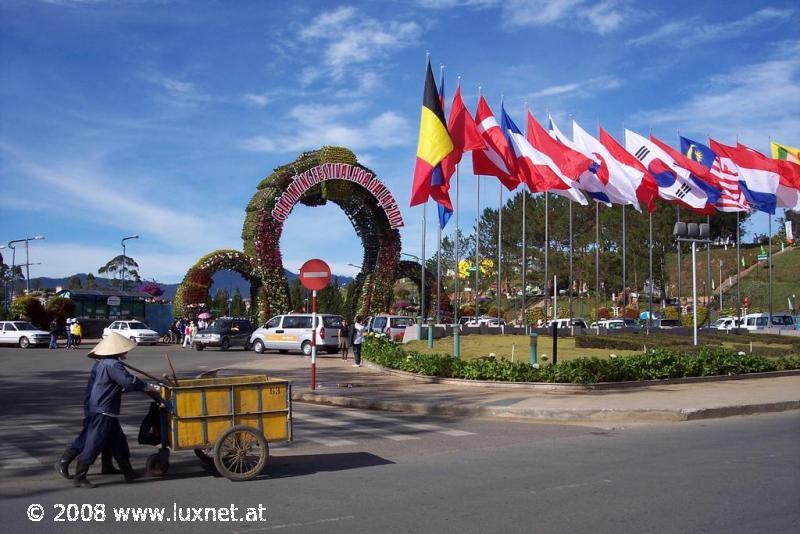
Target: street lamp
{"x": 421, "y": 316}
{"x": 27, "y": 260}
{"x": 693, "y": 233}
{"x": 136, "y": 236}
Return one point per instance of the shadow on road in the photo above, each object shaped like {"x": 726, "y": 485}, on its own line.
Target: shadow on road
{"x": 308, "y": 464}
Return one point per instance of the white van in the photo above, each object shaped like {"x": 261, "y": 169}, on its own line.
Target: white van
{"x": 760, "y": 321}
{"x": 293, "y": 332}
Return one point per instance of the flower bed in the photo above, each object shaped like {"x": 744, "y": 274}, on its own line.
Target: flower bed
{"x": 655, "y": 364}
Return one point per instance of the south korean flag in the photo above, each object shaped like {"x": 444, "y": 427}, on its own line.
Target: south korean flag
{"x": 673, "y": 180}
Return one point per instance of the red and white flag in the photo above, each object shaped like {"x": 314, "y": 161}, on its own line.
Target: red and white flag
{"x": 464, "y": 133}
{"x": 497, "y": 158}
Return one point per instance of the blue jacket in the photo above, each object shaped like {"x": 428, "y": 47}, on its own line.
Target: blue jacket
{"x": 107, "y": 381}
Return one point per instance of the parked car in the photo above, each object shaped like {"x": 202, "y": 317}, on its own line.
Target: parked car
{"x": 725, "y": 324}
{"x": 134, "y": 330}
{"x": 760, "y": 321}
{"x": 394, "y": 326}
{"x": 610, "y": 324}
{"x": 293, "y": 332}
{"x": 568, "y": 323}
{"x": 666, "y": 324}
{"x": 225, "y": 333}
{"x": 632, "y": 325}
{"x": 22, "y": 333}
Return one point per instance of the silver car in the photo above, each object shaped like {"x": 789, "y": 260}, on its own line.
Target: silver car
{"x": 293, "y": 332}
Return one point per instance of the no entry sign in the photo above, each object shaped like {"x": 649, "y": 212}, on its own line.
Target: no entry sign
{"x": 315, "y": 275}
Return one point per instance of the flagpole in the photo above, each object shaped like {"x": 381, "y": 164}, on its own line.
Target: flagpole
{"x": 477, "y": 242}
{"x": 769, "y": 268}
{"x": 679, "y": 264}
{"x": 546, "y": 253}
{"x": 422, "y": 265}
{"x": 524, "y": 259}
{"x": 624, "y": 263}
{"x": 458, "y": 253}
{"x": 571, "y": 281}
{"x": 499, "y": 247}
{"x": 439, "y": 274}
{"x": 650, "y": 247}
{"x": 738, "y": 273}
{"x": 597, "y": 264}
{"x": 708, "y": 273}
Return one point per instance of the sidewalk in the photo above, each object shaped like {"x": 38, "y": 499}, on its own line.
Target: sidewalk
{"x": 341, "y": 384}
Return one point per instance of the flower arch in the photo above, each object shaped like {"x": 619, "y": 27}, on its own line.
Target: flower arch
{"x": 192, "y": 294}
{"x": 330, "y": 174}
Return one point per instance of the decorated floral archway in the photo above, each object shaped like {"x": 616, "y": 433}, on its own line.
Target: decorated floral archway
{"x": 330, "y": 174}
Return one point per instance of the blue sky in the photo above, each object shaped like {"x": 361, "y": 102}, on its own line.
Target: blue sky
{"x": 160, "y": 117}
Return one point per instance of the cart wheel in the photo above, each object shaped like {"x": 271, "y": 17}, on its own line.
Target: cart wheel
{"x": 241, "y": 453}
{"x": 157, "y": 464}
{"x": 206, "y": 455}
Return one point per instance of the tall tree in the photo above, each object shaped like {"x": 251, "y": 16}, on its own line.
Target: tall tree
{"x": 75, "y": 283}
{"x": 237, "y": 304}
{"x": 115, "y": 268}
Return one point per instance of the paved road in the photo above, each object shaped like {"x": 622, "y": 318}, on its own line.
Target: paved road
{"x": 360, "y": 471}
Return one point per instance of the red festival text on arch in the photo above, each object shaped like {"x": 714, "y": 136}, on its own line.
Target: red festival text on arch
{"x": 337, "y": 171}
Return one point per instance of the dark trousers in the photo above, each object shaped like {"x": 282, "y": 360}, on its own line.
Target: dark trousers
{"x": 357, "y": 352}
{"x": 100, "y": 431}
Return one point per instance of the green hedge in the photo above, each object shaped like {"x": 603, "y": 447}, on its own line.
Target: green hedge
{"x": 630, "y": 341}
{"x": 656, "y": 364}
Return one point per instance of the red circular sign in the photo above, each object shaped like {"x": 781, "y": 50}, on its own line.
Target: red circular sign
{"x": 315, "y": 275}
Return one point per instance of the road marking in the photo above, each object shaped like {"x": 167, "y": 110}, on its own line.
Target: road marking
{"x": 573, "y": 486}
{"x": 55, "y": 432}
{"x": 354, "y": 428}
{"x": 294, "y": 525}
{"x": 15, "y": 458}
{"x": 312, "y": 435}
{"x": 417, "y": 426}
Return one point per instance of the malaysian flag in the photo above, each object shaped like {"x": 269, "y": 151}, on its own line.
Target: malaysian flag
{"x": 732, "y": 198}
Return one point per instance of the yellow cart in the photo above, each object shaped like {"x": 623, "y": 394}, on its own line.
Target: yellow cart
{"x": 227, "y": 421}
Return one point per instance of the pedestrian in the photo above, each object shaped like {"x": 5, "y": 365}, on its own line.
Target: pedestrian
{"x": 68, "y": 329}
{"x": 344, "y": 338}
{"x": 194, "y": 331}
{"x": 182, "y": 329}
{"x": 107, "y": 381}
{"x": 358, "y": 339}
{"x": 75, "y": 333}
{"x": 187, "y": 335}
{"x": 53, "y": 334}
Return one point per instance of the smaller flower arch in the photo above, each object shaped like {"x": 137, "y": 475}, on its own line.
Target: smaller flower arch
{"x": 192, "y": 294}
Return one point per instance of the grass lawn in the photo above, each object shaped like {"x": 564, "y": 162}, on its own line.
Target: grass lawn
{"x": 477, "y": 346}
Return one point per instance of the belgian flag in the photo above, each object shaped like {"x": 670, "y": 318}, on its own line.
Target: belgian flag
{"x": 434, "y": 141}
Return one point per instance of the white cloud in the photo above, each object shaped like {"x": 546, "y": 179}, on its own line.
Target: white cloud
{"x": 177, "y": 90}
{"x": 602, "y": 18}
{"x": 61, "y": 259}
{"x": 692, "y": 31}
{"x": 753, "y": 101}
{"x": 87, "y": 190}
{"x": 316, "y": 125}
{"x": 259, "y": 100}
{"x": 581, "y": 88}
{"x": 350, "y": 38}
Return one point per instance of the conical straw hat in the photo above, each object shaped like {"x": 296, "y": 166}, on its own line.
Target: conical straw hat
{"x": 112, "y": 345}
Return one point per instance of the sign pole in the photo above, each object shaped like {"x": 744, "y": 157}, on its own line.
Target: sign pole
{"x": 314, "y": 339}
{"x": 314, "y": 275}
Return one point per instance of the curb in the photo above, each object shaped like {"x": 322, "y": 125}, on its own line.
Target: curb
{"x": 631, "y": 384}
{"x": 566, "y": 415}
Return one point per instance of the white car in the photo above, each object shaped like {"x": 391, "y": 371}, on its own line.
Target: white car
{"x": 610, "y": 324}
{"x": 22, "y": 333}
{"x": 725, "y": 324}
{"x": 761, "y": 321}
{"x": 134, "y": 330}
{"x": 293, "y": 332}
